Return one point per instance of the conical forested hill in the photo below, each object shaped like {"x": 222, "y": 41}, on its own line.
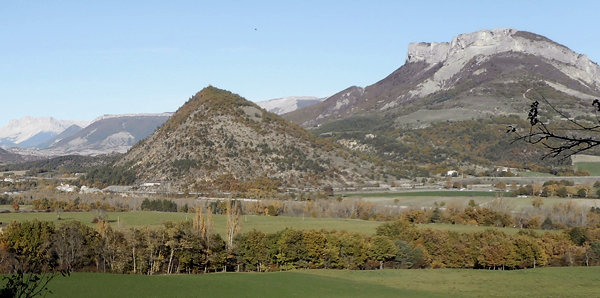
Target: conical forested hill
{"x": 219, "y": 141}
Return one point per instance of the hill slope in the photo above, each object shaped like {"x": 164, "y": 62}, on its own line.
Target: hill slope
{"x": 479, "y": 74}
{"x": 218, "y": 140}
{"x": 8, "y": 157}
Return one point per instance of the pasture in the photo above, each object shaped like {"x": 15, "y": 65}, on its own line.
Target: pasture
{"x": 138, "y": 219}
{"x": 535, "y": 174}
{"x": 540, "y": 282}
{"x": 462, "y": 198}
{"x": 268, "y": 224}
{"x": 591, "y": 167}
{"x": 441, "y": 193}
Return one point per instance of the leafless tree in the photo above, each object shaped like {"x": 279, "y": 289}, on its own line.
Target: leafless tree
{"x": 562, "y": 141}
{"x": 233, "y": 222}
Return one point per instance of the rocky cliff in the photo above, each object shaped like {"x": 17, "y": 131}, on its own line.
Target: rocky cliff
{"x": 486, "y": 71}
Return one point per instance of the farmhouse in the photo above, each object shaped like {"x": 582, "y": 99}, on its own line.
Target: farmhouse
{"x": 452, "y": 173}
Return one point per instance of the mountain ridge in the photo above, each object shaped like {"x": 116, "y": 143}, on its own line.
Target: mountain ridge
{"x": 492, "y": 66}
{"x": 108, "y": 134}
{"x": 288, "y": 104}
{"x": 30, "y": 132}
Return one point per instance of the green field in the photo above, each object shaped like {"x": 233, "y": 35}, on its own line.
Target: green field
{"x": 591, "y": 167}
{"x": 267, "y": 224}
{"x": 447, "y": 193}
{"x": 534, "y": 174}
{"x": 541, "y": 282}
{"x": 429, "y": 199}
{"x": 18, "y": 173}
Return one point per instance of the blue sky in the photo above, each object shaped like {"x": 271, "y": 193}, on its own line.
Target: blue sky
{"x": 81, "y": 59}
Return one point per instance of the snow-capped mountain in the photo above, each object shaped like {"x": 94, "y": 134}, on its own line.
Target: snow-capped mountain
{"x": 108, "y": 134}
{"x": 31, "y": 132}
{"x": 288, "y": 104}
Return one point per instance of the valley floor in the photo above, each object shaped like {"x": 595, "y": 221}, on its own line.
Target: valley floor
{"x": 123, "y": 221}
{"x": 541, "y": 282}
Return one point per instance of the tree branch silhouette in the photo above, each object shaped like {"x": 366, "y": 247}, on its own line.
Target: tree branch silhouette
{"x": 560, "y": 140}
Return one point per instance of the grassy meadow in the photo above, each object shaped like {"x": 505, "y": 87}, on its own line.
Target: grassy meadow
{"x": 443, "y": 193}
{"x": 534, "y": 174}
{"x": 461, "y": 198}
{"x": 267, "y": 224}
{"x": 540, "y": 282}
{"x": 591, "y": 167}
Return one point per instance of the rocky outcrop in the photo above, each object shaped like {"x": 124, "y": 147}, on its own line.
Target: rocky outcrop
{"x": 288, "y": 104}
{"x": 482, "y": 45}
{"x": 472, "y": 71}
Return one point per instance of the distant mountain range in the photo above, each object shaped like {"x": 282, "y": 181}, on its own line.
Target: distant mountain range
{"x": 35, "y": 132}
{"x": 288, "y": 104}
{"x": 47, "y": 136}
{"x": 108, "y": 134}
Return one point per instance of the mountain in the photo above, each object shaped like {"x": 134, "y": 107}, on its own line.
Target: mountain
{"x": 476, "y": 75}
{"x": 107, "y": 134}
{"x": 62, "y": 164}
{"x": 218, "y": 140}
{"x": 288, "y": 104}
{"x": 8, "y": 157}
{"x": 32, "y": 132}
{"x": 71, "y": 130}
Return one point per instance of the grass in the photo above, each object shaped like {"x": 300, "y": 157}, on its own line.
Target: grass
{"x": 267, "y": 224}
{"x": 429, "y": 199}
{"x": 591, "y": 167}
{"x": 540, "y": 282}
{"x": 535, "y": 174}
{"x": 21, "y": 207}
{"x": 18, "y": 173}
{"x": 447, "y": 193}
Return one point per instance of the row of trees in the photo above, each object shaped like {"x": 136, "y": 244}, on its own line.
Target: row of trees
{"x": 562, "y": 189}
{"x": 498, "y": 212}
{"x": 159, "y": 205}
{"x": 195, "y": 248}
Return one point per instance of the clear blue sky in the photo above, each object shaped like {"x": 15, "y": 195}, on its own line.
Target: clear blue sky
{"x": 81, "y": 59}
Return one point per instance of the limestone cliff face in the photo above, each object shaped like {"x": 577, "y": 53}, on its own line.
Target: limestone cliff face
{"x": 484, "y": 44}
{"x": 473, "y": 71}
{"x": 488, "y": 42}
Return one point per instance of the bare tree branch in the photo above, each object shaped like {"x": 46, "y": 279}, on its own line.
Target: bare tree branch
{"x": 561, "y": 142}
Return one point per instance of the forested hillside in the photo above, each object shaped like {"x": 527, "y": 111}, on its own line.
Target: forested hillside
{"x": 218, "y": 140}
{"x": 481, "y": 142}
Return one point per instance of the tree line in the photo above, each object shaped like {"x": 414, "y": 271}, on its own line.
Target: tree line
{"x": 498, "y": 212}
{"x": 193, "y": 247}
